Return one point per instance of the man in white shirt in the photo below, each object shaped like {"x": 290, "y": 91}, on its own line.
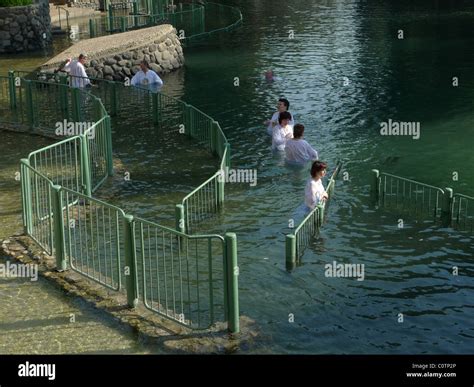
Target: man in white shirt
{"x": 77, "y": 72}
{"x": 297, "y": 150}
{"x": 146, "y": 77}
{"x": 314, "y": 193}
{"x": 282, "y": 132}
{"x": 282, "y": 106}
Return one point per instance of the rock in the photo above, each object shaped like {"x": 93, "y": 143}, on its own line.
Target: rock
{"x": 19, "y": 38}
{"x": 108, "y": 77}
{"x": 94, "y": 63}
{"x": 110, "y": 61}
{"x": 156, "y": 68}
{"x": 127, "y": 55}
{"x": 116, "y": 68}
{"x": 108, "y": 71}
{"x": 123, "y": 63}
{"x": 126, "y": 71}
{"x": 166, "y": 56}
{"x": 174, "y": 63}
{"x": 158, "y": 56}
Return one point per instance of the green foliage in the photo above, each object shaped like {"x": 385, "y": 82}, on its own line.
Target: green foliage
{"x": 14, "y": 3}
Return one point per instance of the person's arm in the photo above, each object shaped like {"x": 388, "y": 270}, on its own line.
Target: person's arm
{"x": 312, "y": 153}
{"x": 67, "y": 66}
{"x": 157, "y": 80}
{"x": 277, "y": 137}
{"x": 134, "y": 80}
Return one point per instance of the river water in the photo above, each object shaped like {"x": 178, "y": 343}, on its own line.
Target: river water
{"x": 345, "y": 70}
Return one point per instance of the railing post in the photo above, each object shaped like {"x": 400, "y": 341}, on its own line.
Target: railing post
{"x": 76, "y": 104}
{"x": 221, "y": 187}
{"x": 29, "y": 104}
{"x": 63, "y": 93}
{"x": 26, "y": 196}
{"x": 155, "y": 107}
{"x": 108, "y": 140}
{"x": 213, "y": 144}
{"x": 446, "y": 209}
{"x": 123, "y": 24}
{"x": 91, "y": 28}
{"x": 227, "y": 155}
{"x": 110, "y": 18}
{"x": 232, "y": 283}
{"x": 179, "y": 216}
{"x": 130, "y": 261}
{"x": 114, "y": 101}
{"x": 58, "y": 227}
{"x": 375, "y": 186}
{"x": 320, "y": 214}
{"x": 85, "y": 163}
{"x": 12, "y": 89}
{"x": 290, "y": 244}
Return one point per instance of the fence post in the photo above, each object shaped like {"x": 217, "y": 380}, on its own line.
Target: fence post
{"x": 221, "y": 187}
{"x": 85, "y": 163}
{"x": 123, "y": 24}
{"x": 108, "y": 140}
{"x": 227, "y": 157}
{"x": 114, "y": 100}
{"x": 91, "y": 29}
{"x": 290, "y": 243}
{"x": 12, "y": 89}
{"x": 29, "y": 104}
{"x": 446, "y": 209}
{"x": 110, "y": 18}
{"x": 76, "y": 104}
{"x": 155, "y": 112}
{"x": 232, "y": 283}
{"x": 213, "y": 144}
{"x": 26, "y": 196}
{"x": 63, "y": 89}
{"x": 320, "y": 214}
{"x": 130, "y": 261}
{"x": 374, "y": 186}
{"x": 58, "y": 227}
{"x": 179, "y": 216}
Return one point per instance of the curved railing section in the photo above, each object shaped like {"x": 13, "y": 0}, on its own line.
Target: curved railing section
{"x": 190, "y": 279}
{"x": 193, "y": 22}
{"x": 301, "y": 237}
{"x": 423, "y": 200}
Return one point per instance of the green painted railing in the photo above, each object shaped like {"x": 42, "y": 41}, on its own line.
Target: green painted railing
{"x": 189, "y": 279}
{"x": 462, "y": 211}
{"x": 297, "y": 241}
{"x": 193, "y": 25}
{"x": 420, "y": 199}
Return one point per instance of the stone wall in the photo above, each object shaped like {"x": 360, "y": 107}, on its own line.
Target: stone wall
{"x": 118, "y": 56}
{"x": 25, "y": 28}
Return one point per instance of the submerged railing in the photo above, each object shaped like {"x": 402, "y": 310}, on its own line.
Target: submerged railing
{"x": 190, "y": 279}
{"x": 420, "y": 199}
{"x": 298, "y": 240}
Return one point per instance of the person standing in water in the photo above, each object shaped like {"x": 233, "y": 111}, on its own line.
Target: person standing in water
{"x": 282, "y": 132}
{"x": 315, "y": 193}
{"x": 297, "y": 150}
{"x": 282, "y": 106}
{"x": 146, "y": 77}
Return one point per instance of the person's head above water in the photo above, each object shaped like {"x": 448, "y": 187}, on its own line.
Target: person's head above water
{"x": 144, "y": 66}
{"x": 298, "y": 131}
{"x": 269, "y": 75}
{"x": 283, "y": 105}
{"x": 318, "y": 169}
{"x": 284, "y": 118}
